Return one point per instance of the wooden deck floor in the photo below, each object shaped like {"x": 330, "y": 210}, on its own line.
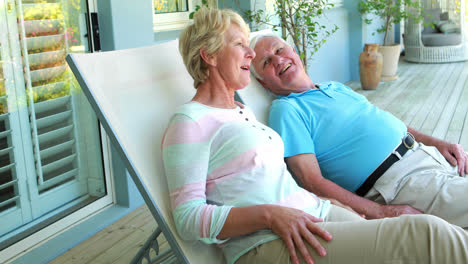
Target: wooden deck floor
{"x": 117, "y": 243}
{"x": 432, "y": 98}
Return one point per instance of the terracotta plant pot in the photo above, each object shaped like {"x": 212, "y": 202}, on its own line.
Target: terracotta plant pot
{"x": 391, "y": 55}
{"x": 370, "y": 67}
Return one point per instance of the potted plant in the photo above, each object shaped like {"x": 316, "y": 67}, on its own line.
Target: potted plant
{"x": 391, "y": 12}
{"x": 299, "y": 21}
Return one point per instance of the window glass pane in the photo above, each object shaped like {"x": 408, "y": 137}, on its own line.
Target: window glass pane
{"x": 50, "y": 149}
{"x": 170, "y": 6}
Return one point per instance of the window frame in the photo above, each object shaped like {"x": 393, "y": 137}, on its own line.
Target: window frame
{"x": 44, "y": 235}
{"x": 40, "y": 237}
{"x": 172, "y": 21}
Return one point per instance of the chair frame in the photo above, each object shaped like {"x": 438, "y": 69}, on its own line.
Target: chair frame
{"x": 163, "y": 228}
{"x": 151, "y": 77}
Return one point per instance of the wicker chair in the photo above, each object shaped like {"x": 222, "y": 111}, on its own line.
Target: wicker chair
{"x": 417, "y": 49}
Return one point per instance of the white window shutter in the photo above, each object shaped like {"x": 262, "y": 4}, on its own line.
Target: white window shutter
{"x": 50, "y": 156}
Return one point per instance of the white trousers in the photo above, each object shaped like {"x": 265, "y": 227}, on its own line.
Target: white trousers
{"x": 425, "y": 180}
{"x": 409, "y": 239}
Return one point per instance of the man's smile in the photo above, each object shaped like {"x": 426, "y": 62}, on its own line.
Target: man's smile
{"x": 285, "y": 68}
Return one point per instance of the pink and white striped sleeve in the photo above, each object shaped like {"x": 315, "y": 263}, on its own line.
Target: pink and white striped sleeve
{"x": 186, "y": 155}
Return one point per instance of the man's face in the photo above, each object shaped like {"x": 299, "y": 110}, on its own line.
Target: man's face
{"x": 280, "y": 67}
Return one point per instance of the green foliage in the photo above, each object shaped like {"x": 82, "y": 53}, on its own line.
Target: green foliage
{"x": 299, "y": 20}
{"x": 197, "y": 7}
{"x": 392, "y": 12}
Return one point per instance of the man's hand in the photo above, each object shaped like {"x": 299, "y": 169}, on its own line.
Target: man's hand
{"x": 297, "y": 227}
{"x": 395, "y": 211}
{"x": 455, "y": 155}
{"x": 305, "y": 167}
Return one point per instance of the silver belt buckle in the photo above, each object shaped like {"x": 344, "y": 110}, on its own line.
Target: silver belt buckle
{"x": 404, "y": 141}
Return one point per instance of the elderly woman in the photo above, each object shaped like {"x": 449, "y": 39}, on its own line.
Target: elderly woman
{"x": 229, "y": 184}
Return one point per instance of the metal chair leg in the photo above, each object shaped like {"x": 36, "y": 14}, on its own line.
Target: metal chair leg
{"x": 166, "y": 256}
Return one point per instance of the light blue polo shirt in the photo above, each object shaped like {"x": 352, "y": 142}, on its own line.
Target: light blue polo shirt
{"x": 349, "y": 136}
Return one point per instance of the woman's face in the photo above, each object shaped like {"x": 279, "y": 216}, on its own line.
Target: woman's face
{"x": 233, "y": 60}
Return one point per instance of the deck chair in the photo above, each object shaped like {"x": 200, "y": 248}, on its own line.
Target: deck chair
{"x": 134, "y": 93}
{"x": 258, "y": 99}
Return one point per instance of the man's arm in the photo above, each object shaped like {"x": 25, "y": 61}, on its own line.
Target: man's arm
{"x": 454, "y": 153}
{"x": 305, "y": 167}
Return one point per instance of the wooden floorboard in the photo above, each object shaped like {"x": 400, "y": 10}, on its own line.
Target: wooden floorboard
{"x": 425, "y": 101}
{"x": 459, "y": 126}
{"x": 448, "y": 112}
{"x": 400, "y": 105}
{"x": 117, "y": 243}
{"x": 437, "y": 110}
{"x": 421, "y": 114}
{"x": 428, "y": 95}
{"x": 432, "y": 98}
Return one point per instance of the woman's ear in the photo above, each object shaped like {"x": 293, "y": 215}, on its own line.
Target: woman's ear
{"x": 209, "y": 59}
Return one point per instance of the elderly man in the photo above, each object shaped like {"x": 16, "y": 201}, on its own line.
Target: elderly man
{"x": 341, "y": 146}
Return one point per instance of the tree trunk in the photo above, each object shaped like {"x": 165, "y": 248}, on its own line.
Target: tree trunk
{"x": 304, "y": 50}
{"x": 387, "y": 26}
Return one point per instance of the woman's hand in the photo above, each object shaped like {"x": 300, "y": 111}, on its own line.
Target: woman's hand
{"x": 296, "y": 227}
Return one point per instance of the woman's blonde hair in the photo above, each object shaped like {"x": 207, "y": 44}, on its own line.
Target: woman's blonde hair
{"x": 207, "y": 30}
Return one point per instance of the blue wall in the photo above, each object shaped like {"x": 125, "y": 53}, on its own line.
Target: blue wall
{"x": 332, "y": 61}
{"x": 125, "y": 24}
{"x": 355, "y": 36}
{"x": 128, "y": 25}
{"x": 338, "y": 59}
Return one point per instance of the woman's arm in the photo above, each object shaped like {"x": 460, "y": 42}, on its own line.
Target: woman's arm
{"x": 186, "y": 160}
{"x": 186, "y": 154}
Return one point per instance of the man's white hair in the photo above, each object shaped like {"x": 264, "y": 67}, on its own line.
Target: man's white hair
{"x": 253, "y": 43}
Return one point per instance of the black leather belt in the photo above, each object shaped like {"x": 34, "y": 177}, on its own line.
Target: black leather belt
{"x": 406, "y": 143}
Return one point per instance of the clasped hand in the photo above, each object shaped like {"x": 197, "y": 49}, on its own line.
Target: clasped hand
{"x": 297, "y": 227}
{"x": 455, "y": 155}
